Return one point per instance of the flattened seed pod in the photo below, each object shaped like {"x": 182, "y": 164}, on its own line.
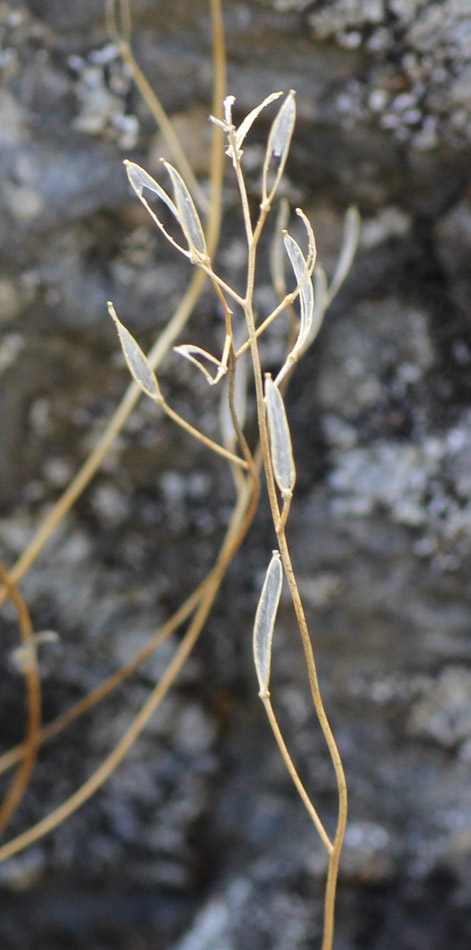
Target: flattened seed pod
{"x": 140, "y": 179}
{"x": 279, "y": 140}
{"x": 280, "y": 438}
{"x": 191, "y": 353}
{"x": 265, "y": 621}
{"x": 240, "y": 403}
{"x": 351, "y": 234}
{"x": 247, "y": 123}
{"x": 137, "y": 361}
{"x": 282, "y": 128}
{"x": 187, "y": 214}
{"x": 306, "y": 292}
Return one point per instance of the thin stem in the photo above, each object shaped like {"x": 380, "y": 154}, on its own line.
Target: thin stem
{"x": 242, "y": 518}
{"x": 8, "y": 759}
{"x": 334, "y": 855}
{"x": 266, "y": 699}
{"x": 114, "y": 427}
{"x": 334, "y": 858}
{"x": 153, "y": 103}
{"x": 242, "y": 188}
{"x": 207, "y": 269}
{"x": 164, "y": 341}
{"x": 33, "y": 693}
{"x": 284, "y": 514}
{"x": 214, "y": 446}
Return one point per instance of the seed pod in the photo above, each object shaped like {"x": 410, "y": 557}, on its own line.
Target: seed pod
{"x": 265, "y": 621}
{"x": 240, "y": 403}
{"x": 351, "y": 234}
{"x": 188, "y": 350}
{"x": 306, "y": 292}
{"x": 247, "y": 123}
{"x": 320, "y": 303}
{"x": 280, "y": 439}
{"x": 187, "y": 214}
{"x": 138, "y": 364}
{"x": 278, "y": 144}
{"x": 140, "y": 179}
{"x": 183, "y": 208}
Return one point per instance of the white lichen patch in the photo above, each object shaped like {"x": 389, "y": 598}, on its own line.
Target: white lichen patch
{"x": 442, "y": 709}
{"x": 426, "y": 486}
{"x": 102, "y": 86}
{"x": 420, "y": 67}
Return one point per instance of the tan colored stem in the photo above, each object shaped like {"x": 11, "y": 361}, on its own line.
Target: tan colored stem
{"x": 242, "y": 518}
{"x": 266, "y": 699}
{"x": 165, "y": 340}
{"x": 8, "y": 759}
{"x": 334, "y": 855}
{"x": 214, "y": 446}
{"x": 154, "y": 105}
{"x": 33, "y": 694}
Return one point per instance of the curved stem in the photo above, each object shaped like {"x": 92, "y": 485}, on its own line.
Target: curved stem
{"x": 8, "y": 759}
{"x": 334, "y": 857}
{"x": 33, "y": 692}
{"x": 214, "y": 446}
{"x": 242, "y": 518}
{"x": 266, "y": 699}
{"x": 164, "y": 341}
{"x": 122, "y": 39}
{"x": 279, "y": 525}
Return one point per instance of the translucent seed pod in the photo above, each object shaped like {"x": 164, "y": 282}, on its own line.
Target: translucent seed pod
{"x": 137, "y": 361}
{"x": 306, "y": 292}
{"x": 277, "y": 257}
{"x": 183, "y": 208}
{"x": 187, "y": 214}
{"x": 191, "y": 352}
{"x": 351, "y": 234}
{"x": 140, "y": 179}
{"x": 265, "y": 618}
{"x": 240, "y": 404}
{"x": 280, "y": 439}
{"x": 249, "y": 120}
{"x": 303, "y": 269}
{"x": 278, "y": 144}
{"x": 320, "y": 304}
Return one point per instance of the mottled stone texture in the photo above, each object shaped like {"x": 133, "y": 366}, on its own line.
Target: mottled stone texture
{"x": 198, "y": 842}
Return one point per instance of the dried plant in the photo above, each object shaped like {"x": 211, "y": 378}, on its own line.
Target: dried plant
{"x": 274, "y": 433}
{"x": 228, "y": 370}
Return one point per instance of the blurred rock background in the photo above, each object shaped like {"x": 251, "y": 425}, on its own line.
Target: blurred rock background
{"x": 198, "y": 842}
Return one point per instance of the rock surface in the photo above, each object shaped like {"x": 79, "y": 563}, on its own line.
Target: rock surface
{"x": 198, "y": 842}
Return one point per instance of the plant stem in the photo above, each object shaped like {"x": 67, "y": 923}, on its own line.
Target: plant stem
{"x": 33, "y": 694}
{"x": 266, "y": 699}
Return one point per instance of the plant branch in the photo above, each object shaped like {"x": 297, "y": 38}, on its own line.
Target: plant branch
{"x": 33, "y": 693}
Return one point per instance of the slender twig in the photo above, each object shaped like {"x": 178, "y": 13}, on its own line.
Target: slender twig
{"x": 214, "y": 446}
{"x": 166, "y": 339}
{"x": 100, "y": 692}
{"x": 33, "y": 694}
{"x": 266, "y": 699}
{"x": 242, "y": 518}
{"x": 279, "y": 522}
{"x": 122, "y": 38}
